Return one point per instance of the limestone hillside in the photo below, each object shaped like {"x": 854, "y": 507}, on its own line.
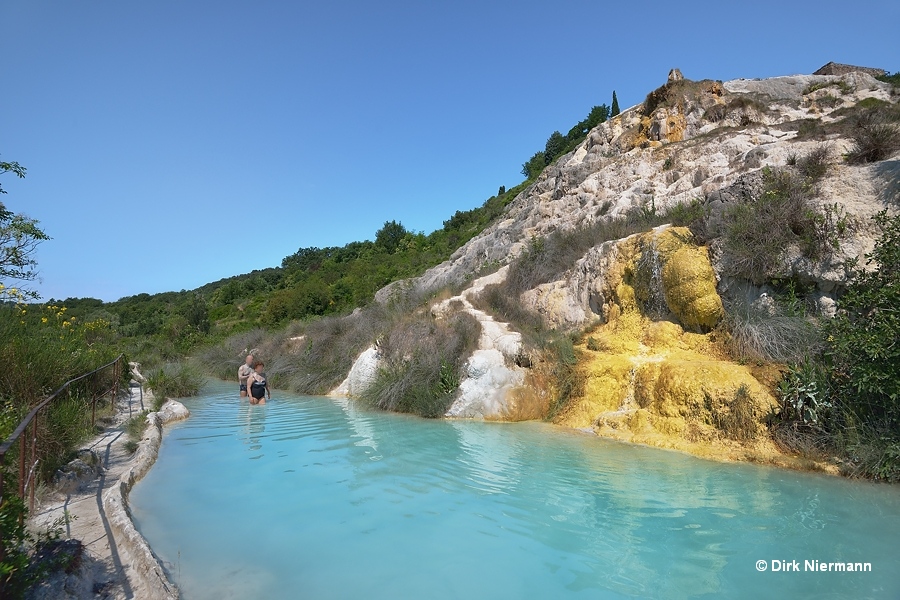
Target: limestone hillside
{"x": 651, "y": 366}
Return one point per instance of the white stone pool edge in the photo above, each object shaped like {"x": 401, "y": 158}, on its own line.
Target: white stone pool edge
{"x": 153, "y": 580}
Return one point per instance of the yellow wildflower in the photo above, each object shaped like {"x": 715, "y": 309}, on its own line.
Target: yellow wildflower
{"x": 43, "y": 319}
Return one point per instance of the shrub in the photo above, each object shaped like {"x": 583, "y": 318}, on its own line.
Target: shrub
{"x": 174, "y": 380}
{"x": 548, "y": 258}
{"x": 716, "y": 113}
{"x": 737, "y": 421}
{"x": 893, "y": 79}
{"x": 687, "y": 214}
{"x": 27, "y": 556}
{"x": 804, "y": 394}
{"x": 828, "y": 100}
{"x": 422, "y": 363}
{"x": 134, "y": 429}
{"x": 815, "y": 164}
{"x": 784, "y": 211}
{"x": 319, "y": 361}
{"x": 754, "y": 256}
{"x": 567, "y": 379}
{"x": 862, "y": 339}
{"x": 875, "y": 137}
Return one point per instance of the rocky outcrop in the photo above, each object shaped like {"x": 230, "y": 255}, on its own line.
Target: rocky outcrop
{"x": 723, "y": 131}
{"x": 834, "y": 68}
{"x": 661, "y": 271}
{"x": 650, "y": 368}
{"x": 361, "y": 375}
{"x": 74, "y": 475}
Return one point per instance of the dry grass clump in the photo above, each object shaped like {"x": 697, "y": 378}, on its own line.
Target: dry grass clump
{"x": 875, "y": 136}
{"x": 737, "y": 421}
{"x": 422, "y": 363}
{"x": 758, "y": 335}
{"x": 815, "y": 164}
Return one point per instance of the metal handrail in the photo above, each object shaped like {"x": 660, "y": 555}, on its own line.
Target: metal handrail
{"x": 20, "y": 431}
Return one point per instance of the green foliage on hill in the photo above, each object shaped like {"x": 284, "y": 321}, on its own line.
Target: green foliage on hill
{"x": 891, "y": 78}
{"x": 559, "y": 144}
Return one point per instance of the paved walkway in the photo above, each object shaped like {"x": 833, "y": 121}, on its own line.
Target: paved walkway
{"x": 104, "y": 571}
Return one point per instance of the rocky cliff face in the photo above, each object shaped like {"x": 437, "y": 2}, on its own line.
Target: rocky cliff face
{"x": 653, "y": 298}
{"x": 699, "y": 139}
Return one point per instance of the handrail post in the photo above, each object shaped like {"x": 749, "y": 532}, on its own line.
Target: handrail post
{"x": 2, "y": 464}
{"x": 93, "y": 407}
{"x": 34, "y": 434}
{"x": 22, "y": 467}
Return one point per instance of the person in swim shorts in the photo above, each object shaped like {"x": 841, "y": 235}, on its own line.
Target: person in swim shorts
{"x": 257, "y": 384}
{"x": 243, "y": 373}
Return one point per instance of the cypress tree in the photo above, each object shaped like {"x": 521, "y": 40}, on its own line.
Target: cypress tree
{"x": 615, "y": 105}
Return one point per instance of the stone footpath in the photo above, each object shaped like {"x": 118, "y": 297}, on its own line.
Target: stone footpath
{"x": 90, "y": 505}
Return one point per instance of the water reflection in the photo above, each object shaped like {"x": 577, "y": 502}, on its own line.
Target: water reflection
{"x": 362, "y": 428}
{"x": 254, "y": 419}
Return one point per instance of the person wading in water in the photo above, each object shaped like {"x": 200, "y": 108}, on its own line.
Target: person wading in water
{"x": 244, "y": 372}
{"x": 257, "y": 384}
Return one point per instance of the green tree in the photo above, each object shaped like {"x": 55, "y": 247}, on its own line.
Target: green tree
{"x": 19, "y": 237}
{"x": 615, "y": 105}
{"x": 389, "y": 237}
{"x": 598, "y": 114}
{"x": 555, "y": 146}
{"x": 196, "y": 312}
{"x": 534, "y": 166}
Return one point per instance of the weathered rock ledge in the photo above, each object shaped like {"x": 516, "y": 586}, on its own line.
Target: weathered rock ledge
{"x": 153, "y": 579}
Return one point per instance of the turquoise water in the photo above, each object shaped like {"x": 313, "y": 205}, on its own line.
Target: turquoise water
{"x": 317, "y": 498}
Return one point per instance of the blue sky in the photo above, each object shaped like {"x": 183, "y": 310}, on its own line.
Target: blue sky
{"x": 170, "y": 144}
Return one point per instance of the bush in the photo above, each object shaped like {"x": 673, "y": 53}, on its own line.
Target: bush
{"x": 804, "y": 394}
{"x": 781, "y": 212}
{"x": 27, "y": 557}
{"x": 134, "y": 429}
{"x": 716, "y": 113}
{"x": 893, "y": 79}
{"x": 814, "y": 165}
{"x": 548, "y": 258}
{"x": 875, "y": 137}
{"x": 862, "y": 339}
{"x": 737, "y": 420}
{"x": 687, "y": 214}
{"x": 787, "y": 216}
{"x": 174, "y": 380}
{"x": 422, "y": 363}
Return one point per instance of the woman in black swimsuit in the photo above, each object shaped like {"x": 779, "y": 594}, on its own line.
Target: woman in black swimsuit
{"x": 257, "y": 385}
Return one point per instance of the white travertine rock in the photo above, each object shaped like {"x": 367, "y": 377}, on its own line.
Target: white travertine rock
{"x": 154, "y": 583}
{"x": 606, "y": 175}
{"x": 361, "y": 375}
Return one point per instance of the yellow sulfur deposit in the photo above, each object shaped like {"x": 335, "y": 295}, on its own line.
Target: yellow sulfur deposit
{"x": 689, "y": 284}
{"x": 646, "y": 379}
